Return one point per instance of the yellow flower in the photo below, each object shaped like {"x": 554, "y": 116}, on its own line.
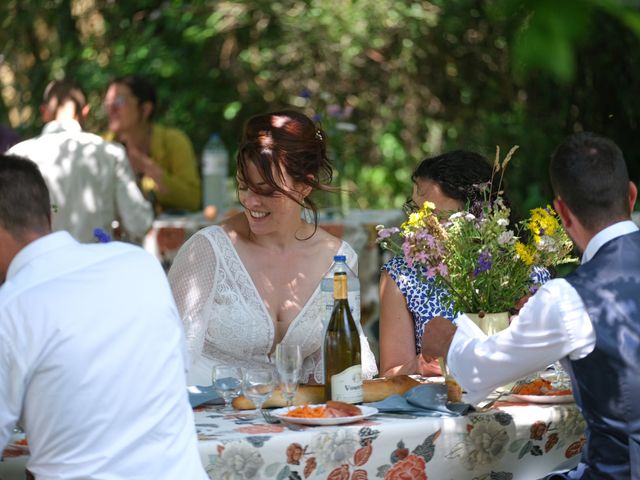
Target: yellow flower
{"x": 543, "y": 222}
{"x": 419, "y": 219}
{"x": 524, "y": 253}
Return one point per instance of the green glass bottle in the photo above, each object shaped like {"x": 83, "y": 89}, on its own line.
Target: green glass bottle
{"x": 342, "y": 364}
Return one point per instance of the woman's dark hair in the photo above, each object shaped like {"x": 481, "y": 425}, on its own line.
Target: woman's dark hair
{"x": 460, "y": 174}
{"x": 291, "y": 142}
{"x": 140, "y": 87}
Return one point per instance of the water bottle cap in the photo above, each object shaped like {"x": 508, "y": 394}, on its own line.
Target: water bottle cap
{"x": 340, "y": 258}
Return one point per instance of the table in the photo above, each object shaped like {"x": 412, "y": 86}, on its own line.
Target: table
{"x": 512, "y": 441}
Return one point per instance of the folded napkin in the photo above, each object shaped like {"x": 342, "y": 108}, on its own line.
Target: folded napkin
{"x": 424, "y": 401}
{"x": 199, "y": 394}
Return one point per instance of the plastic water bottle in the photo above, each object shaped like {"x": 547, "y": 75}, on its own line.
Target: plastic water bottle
{"x": 353, "y": 287}
{"x": 215, "y": 170}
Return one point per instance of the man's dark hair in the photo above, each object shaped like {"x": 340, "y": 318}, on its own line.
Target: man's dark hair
{"x": 589, "y": 174}
{"x": 24, "y": 197}
{"x": 58, "y": 92}
{"x": 140, "y": 87}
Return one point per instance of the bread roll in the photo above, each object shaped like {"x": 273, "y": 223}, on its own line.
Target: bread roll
{"x": 372, "y": 391}
{"x": 454, "y": 390}
{"x": 381, "y": 388}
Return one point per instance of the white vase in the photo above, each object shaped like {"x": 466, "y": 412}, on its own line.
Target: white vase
{"x": 490, "y": 323}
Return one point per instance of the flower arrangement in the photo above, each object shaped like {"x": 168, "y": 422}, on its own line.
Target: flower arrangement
{"x": 482, "y": 261}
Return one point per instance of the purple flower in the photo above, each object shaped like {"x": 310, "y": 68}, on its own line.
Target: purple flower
{"x": 334, "y": 110}
{"x": 442, "y": 269}
{"x": 101, "y": 235}
{"x": 317, "y": 118}
{"x": 387, "y": 232}
{"x": 305, "y": 93}
{"x": 484, "y": 263}
{"x": 406, "y": 248}
{"x": 421, "y": 257}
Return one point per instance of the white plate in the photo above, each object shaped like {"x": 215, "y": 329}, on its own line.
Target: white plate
{"x": 544, "y": 398}
{"x": 366, "y": 412}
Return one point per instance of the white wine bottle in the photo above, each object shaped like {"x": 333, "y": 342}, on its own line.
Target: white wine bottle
{"x": 342, "y": 364}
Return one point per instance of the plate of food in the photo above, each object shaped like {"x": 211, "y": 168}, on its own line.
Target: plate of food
{"x": 330, "y": 413}
{"x": 540, "y": 390}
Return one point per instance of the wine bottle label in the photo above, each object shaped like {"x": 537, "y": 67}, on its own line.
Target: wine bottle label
{"x": 346, "y": 386}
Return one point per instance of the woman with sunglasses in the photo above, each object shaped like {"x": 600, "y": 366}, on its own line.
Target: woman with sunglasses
{"x": 252, "y": 282}
{"x": 450, "y": 181}
{"x": 162, "y": 157}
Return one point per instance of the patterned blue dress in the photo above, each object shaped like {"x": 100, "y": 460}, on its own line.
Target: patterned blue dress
{"x": 422, "y": 306}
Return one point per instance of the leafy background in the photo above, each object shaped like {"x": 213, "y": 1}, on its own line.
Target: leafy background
{"x": 421, "y": 76}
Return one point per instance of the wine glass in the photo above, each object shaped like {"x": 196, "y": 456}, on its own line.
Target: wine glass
{"x": 227, "y": 381}
{"x": 257, "y": 386}
{"x": 289, "y": 367}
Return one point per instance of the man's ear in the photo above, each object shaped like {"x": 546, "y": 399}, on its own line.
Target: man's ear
{"x": 633, "y": 195}
{"x": 84, "y": 113}
{"x": 46, "y": 113}
{"x": 563, "y": 212}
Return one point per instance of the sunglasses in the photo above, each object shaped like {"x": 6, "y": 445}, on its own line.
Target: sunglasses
{"x": 118, "y": 102}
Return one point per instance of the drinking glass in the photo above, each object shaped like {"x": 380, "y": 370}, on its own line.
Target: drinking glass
{"x": 557, "y": 375}
{"x": 227, "y": 381}
{"x": 257, "y": 386}
{"x": 289, "y": 367}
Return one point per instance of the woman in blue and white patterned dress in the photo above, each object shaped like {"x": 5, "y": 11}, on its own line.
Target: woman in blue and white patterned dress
{"x": 450, "y": 181}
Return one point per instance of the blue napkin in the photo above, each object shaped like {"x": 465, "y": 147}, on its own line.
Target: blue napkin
{"x": 423, "y": 401}
{"x": 199, "y": 394}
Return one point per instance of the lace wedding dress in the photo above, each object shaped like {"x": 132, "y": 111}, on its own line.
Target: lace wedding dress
{"x": 226, "y": 320}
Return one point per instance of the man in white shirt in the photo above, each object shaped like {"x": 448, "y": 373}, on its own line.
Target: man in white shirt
{"x": 90, "y": 180}
{"x": 589, "y": 320}
{"x": 92, "y": 353}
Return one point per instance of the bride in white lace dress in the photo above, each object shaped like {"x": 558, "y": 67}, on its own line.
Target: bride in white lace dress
{"x": 254, "y": 281}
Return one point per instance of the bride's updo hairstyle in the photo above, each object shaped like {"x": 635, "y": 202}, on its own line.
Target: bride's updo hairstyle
{"x": 290, "y": 142}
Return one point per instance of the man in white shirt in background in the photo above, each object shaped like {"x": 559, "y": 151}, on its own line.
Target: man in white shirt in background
{"x": 589, "y": 320}
{"x": 92, "y": 352}
{"x": 90, "y": 179}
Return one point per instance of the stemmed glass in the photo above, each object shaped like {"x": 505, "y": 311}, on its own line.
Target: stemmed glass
{"x": 227, "y": 381}
{"x": 289, "y": 367}
{"x": 257, "y": 386}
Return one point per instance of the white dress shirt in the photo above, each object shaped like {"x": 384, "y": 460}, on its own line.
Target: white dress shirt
{"x": 90, "y": 181}
{"x": 92, "y": 364}
{"x": 552, "y": 325}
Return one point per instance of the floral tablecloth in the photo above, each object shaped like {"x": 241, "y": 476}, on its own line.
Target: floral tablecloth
{"x": 513, "y": 441}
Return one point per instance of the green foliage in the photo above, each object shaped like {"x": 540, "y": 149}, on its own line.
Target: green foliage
{"x": 421, "y": 76}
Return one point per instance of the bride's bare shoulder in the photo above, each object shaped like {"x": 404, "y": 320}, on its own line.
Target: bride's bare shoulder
{"x": 326, "y": 241}
{"x": 236, "y": 227}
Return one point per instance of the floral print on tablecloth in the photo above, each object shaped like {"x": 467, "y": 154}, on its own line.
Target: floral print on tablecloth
{"x": 477, "y": 443}
{"x": 515, "y": 442}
